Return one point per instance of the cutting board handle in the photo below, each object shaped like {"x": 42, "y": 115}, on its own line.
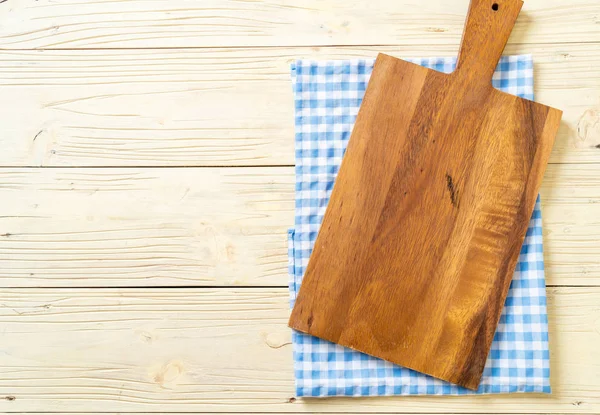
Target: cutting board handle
{"x": 487, "y": 28}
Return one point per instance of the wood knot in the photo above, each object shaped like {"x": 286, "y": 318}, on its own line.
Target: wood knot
{"x": 436, "y": 29}
{"x": 146, "y": 336}
{"x": 230, "y": 251}
{"x": 167, "y": 375}
{"x": 588, "y": 127}
{"x": 277, "y": 340}
{"x": 10, "y": 398}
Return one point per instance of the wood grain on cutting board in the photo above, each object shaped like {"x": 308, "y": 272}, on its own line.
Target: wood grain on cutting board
{"x": 425, "y": 223}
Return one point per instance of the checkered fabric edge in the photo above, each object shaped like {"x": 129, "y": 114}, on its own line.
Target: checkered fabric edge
{"x": 327, "y": 96}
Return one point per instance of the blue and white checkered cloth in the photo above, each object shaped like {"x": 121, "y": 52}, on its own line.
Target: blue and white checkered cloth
{"x": 327, "y": 98}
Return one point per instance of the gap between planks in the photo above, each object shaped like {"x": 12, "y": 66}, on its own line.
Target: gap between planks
{"x": 211, "y": 287}
{"x": 223, "y": 166}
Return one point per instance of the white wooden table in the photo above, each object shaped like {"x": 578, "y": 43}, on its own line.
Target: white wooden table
{"x": 146, "y": 185}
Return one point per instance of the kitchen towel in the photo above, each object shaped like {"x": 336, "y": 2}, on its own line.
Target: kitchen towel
{"x": 327, "y": 96}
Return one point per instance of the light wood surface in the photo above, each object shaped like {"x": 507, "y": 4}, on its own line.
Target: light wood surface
{"x": 165, "y": 83}
{"x": 172, "y": 23}
{"x": 108, "y": 107}
{"x": 227, "y": 350}
{"x": 144, "y": 227}
{"x": 99, "y": 227}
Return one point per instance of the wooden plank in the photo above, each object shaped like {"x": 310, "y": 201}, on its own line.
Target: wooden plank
{"x": 227, "y": 350}
{"x": 568, "y": 229}
{"x": 176, "y": 23}
{"x": 132, "y": 227}
{"x": 220, "y": 106}
{"x": 69, "y": 227}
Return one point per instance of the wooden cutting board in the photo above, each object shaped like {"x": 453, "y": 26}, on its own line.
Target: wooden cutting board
{"x": 430, "y": 208}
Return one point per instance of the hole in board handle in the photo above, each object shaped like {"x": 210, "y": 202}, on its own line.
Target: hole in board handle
{"x": 495, "y": 7}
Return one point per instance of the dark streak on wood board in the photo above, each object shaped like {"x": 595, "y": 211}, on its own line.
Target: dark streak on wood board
{"x": 429, "y": 211}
